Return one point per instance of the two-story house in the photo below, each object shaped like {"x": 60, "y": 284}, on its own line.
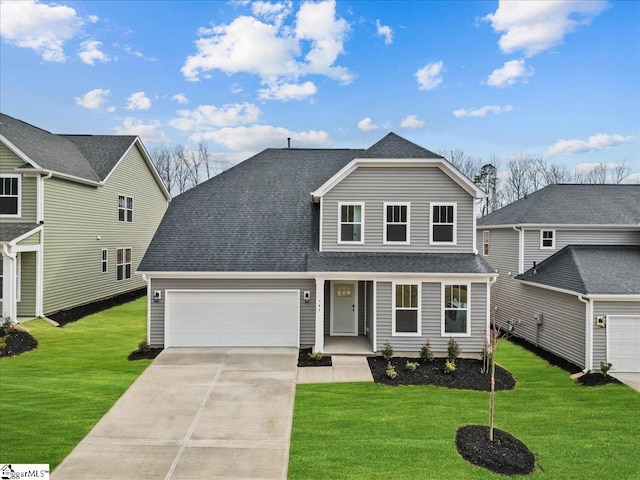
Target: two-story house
{"x": 568, "y": 258}
{"x": 299, "y": 247}
{"x": 77, "y": 213}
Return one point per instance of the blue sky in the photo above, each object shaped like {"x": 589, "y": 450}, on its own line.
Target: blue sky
{"x": 494, "y": 79}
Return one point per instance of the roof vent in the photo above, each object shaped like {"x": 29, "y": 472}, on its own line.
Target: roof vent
{"x": 535, "y": 271}
{"x": 288, "y": 142}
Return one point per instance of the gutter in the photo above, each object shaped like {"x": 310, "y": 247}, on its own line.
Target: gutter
{"x": 588, "y": 333}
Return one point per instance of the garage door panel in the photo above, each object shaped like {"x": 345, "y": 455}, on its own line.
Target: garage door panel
{"x": 623, "y": 342}
{"x": 232, "y": 318}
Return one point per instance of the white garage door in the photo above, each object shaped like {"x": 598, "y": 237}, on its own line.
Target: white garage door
{"x": 219, "y": 318}
{"x": 623, "y": 342}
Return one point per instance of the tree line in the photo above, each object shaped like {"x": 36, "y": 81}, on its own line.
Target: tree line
{"x": 181, "y": 169}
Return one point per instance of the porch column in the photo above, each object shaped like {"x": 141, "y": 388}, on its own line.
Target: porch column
{"x": 9, "y": 304}
{"x": 319, "y": 342}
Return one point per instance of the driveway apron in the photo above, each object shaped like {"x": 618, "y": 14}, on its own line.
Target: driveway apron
{"x": 196, "y": 413}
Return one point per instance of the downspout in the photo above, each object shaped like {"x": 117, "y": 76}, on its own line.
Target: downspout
{"x": 148, "y": 282}
{"x": 11, "y": 302}
{"x": 588, "y": 334}
{"x": 476, "y": 204}
{"x": 490, "y": 283}
{"x": 520, "y": 249}
{"x": 40, "y": 255}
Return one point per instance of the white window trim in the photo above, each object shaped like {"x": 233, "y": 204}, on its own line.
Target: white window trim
{"x": 124, "y": 264}
{"x": 133, "y": 203}
{"x": 19, "y": 214}
{"x": 553, "y": 239}
{"x": 455, "y": 222}
{"x": 487, "y": 243}
{"x": 103, "y": 261}
{"x": 393, "y": 308}
{"x": 443, "y": 316}
{"x": 355, "y": 204}
{"x": 385, "y": 223}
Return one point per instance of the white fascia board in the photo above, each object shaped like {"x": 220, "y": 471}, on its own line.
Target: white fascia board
{"x": 442, "y": 164}
{"x": 226, "y": 275}
{"x": 555, "y": 289}
{"x": 566, "y": 226}
{"x": 593, "y": 296}
{"x": 23, "y": 156}
{"x": 25, "y": 235}
{"x": 147, "y": 158}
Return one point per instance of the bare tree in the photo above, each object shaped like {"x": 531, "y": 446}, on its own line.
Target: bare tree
{"x": 466, "y": 164}
{"x": 487, "y": 180}
{"x": 162, "y": 160}
{"x": 194, "y": 167}
{"x": 619, "y": 172}
{"x": 517, "y": 182}
{"x": 181, "y": 168}
{"x": 203, "y": 155}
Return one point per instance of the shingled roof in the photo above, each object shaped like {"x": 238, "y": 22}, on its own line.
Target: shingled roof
{"x": 394, "y": 146}
{"x": 87, "y": 157}
{"x": 590, "y": 270}
{"x": 567, "y": 204}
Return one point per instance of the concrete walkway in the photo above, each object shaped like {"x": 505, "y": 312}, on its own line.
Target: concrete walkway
{"x": 345, "y": 368}
{"x": 631, "y": 379}
{"x": 195, "y": 413}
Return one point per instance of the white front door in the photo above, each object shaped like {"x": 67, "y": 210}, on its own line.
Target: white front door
{"x": 344, "y": 313}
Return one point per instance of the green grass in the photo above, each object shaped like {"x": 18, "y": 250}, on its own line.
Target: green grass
{"x": 363, "y": 430}
{"x": 52, "y": 396}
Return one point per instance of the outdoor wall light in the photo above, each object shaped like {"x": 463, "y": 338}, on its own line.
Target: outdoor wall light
{"x": 157, "y": 295}
{"x": 306, "y": 296}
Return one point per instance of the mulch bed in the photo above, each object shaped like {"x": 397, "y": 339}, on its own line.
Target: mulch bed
{"x": 18, "y": 341}
{"x": 305, "y": 361}
{"x": 149, "y": 354}
{"x": 468, "y": 374}
{"x": 596, "y": 379}
{"x": 506, "y": 455}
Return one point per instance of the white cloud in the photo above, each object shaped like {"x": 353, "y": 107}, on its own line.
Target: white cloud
{"x": 93, "y": 99}
{"x": 367, "y": 125}
{"x": 90, "y": 52}
{"x": 258, "y": 137}
{"x": 288, "y": 91}
{"x": 138, "y": 101}
{"x": 412, "y": 121}
{"x": 93, "y": 18}
{"x": 430, "y": 76}
{"x": 180, "y": 98}
{"x": 633, "y": 178}
{"x": 481, "y": 112}
{"x": 40, "y": 27}
{"x": 533, "y": 27}
{"x": 384, "y": 31}
{"x": 509, "y": 74}
{"x": 277, "y": 53}
{"x": 149, "y": 132}
{"x": 207, "y": 117}
{"x": 599, "y": 141}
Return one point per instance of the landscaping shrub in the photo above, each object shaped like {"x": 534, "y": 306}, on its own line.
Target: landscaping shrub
{"x": 453, "y": 350}
{"x": 391, "y": 371}
{"x": 426, "y": 355}
{"x": 411, "y": 366}
{"x": 387, "y": 351}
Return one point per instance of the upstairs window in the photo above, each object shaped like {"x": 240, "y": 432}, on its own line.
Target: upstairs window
{"x": 406, "y": 318}
{"x": 455, "y": 310}
{"x": 485, "y": 242}
{"x": 125, "y": 209}
{"x": 396, "y": 223}
{"x": 351, "y": 223}
{"x": 10, "y": 195}
{"x": 123, "y": 263}
{"x": 105, "y": 261}
{"x": 547, "y": 239}
{"x": 443, "y": 223}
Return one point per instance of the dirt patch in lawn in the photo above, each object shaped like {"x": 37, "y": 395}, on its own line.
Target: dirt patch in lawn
{"x": 17, "y": 341}
{"x": 304, "y": 360}
{"x": 505, "y": 455}
{"x": 467, "y": 375}
{"x": 596, "y": 379}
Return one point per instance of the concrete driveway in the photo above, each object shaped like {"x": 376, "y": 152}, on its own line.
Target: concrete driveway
{"x": 631, "y": 379}
{"x": 196, "y": 413}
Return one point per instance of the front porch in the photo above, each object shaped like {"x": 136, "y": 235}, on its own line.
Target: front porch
{"x": 359, "y": 345}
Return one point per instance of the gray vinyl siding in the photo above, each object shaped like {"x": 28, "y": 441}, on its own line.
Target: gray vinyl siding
{"x": 307, "y": 310}
{"x": 417, "y": 185}
{"x": 564, "y": 237}
{"x": 81, "y": 220}
{"x": 31, "y": 240}
{"x": 28, "y": 197}
{"x": 600, "y": 334}
{"x": 431, "y": 320}
{"x": 27, "y": 303}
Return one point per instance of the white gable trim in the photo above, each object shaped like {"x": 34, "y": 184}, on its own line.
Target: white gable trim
{"x": 23, "y": 156}
{"x": 442, "y": 164}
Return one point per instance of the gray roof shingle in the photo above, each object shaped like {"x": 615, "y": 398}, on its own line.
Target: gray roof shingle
{"x": 572, "y": 205}
{"x": 394, "y": 146}
{"x": 89, "y": 157}
{"x": 590, "y": 270}
{"x": 11, "y": 231}
{"x": 259, "y": 217}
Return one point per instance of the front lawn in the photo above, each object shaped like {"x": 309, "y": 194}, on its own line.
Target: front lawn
{"x": 52, "y": 396}
{"x": 366, "y": 430}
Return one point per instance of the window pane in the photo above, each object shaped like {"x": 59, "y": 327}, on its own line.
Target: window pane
{"x": 436, "y": 214}
{"x": 407, "y": 321}
{"x": 455, "y": 321}
{"x": 357, "y": 214}
{"x": 120, "y": 272}
{"x": 399, "y": 296}
{"x": 121, "y": 215}
{"x": 403, "y": 213}
{"x": 396, "y": 233}
{"x": 120, "y": 201}
{"x": 414, "y": 296}
{"x": 350, "y": 232}
{"x": 443, "y": 233}
{"x": 130, "y": 203}
{"x": 128, "y": 255}
{"x": 128, "y": 270}
{"x": 119, "y": 256}
{"x": 8, "y": 205}
{"x": 129, "y": 216}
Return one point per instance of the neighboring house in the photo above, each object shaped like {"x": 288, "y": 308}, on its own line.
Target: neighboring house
{"x": 568, "y": 258}
{"x": 293, "y": 247}
{"x": 77, "y": 213}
